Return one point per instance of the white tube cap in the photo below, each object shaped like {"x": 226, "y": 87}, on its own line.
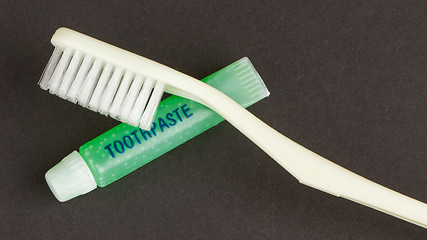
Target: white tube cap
{"x": 70, "y": 178}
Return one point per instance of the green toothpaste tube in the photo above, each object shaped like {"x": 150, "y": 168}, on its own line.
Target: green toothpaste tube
{"x": 125, "y": 148}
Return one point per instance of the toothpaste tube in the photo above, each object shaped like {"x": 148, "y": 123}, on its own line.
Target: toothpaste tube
{"x": 125, "y": 148}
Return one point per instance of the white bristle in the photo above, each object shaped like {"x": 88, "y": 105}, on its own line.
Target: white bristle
{"x": 90, "y": 83}
{"x": 102, "y": 86}
{"x": 73, "y": 92}
{"x": 70, "y": 74}
{"x": 99, "y": 89}
{"x": 110, "y": 91}
{"x": 131, "y": 97}
{"x": 120, "y": 95}
{"x": 50, "y": 67}
{"x": 56, "y": 78}
{"x": 141, "y": 101}
{"x": 150, "y": 111}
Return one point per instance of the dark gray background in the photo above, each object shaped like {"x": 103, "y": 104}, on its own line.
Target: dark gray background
{"x": 347, "y": 79}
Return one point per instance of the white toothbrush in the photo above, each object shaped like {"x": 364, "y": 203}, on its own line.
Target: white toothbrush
{"x": 119, "y": 83}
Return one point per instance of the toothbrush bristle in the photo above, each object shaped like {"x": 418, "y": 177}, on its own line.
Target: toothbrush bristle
{"x": 102, "y": 86}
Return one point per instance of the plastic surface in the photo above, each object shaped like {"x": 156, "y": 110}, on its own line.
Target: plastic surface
{"x": 125, "y": 148}
{"x": 308, "y": 167}
{"x": 70, "y": 178}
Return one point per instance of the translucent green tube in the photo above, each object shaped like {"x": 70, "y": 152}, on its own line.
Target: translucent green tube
{"x": 125, "y": 148}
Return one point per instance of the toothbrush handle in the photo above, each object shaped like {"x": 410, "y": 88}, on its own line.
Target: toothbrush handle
{"x": 315, "y": 171}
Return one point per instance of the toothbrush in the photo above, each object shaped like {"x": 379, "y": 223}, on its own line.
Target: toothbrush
{"x": 118, "y": 83}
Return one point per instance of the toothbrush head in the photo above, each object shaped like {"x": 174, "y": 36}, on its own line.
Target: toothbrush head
{"x": 106, "y": 79}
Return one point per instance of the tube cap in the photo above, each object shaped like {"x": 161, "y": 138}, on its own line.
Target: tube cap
{"x": 70, "y": 178}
